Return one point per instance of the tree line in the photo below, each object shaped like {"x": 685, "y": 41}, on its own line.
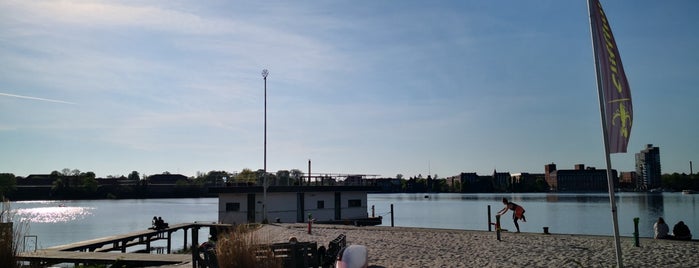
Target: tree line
{"x": 74, "y": 184}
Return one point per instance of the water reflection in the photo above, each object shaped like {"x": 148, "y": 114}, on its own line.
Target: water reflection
{"x": 53, "y": 214}
{"x": 652, "y": 203}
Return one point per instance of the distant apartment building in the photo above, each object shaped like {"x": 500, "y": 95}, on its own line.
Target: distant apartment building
{"x": 501, "y": 181}
{"x": 471, "y": 182}
{"x": 524, "y": 181}
{"x": 648, "y": 168}
{"x": 628, "y": 180}
{"x": 548, "y": 170}
{"x": 580, "y": 179}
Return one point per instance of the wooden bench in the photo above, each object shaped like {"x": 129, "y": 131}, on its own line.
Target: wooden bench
{"x": 329, "y": 255}
{"x": 305, "y": 254}
{"x": 297, "y": 255}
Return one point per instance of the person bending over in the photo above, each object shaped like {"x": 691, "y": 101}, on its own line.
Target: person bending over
{"x": 517, "y": 212}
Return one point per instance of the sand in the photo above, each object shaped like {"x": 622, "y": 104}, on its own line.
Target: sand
{"x": 420, "y": 247}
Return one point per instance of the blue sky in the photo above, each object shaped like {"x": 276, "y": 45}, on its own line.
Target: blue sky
{"x": 370, "y": 87}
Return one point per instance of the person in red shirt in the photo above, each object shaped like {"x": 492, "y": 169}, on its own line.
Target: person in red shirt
{"x": 517, "y": 212}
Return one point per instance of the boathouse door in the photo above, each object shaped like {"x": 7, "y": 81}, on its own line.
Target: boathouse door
{"x": 251, "y": 207}
{"x": 299, "y": 207}
{"x": 338, "y": 204}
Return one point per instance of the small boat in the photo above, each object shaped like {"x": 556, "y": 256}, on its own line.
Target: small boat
{"x": 689, "y": 192}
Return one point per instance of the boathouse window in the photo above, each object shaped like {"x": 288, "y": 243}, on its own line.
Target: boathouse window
{"x": 232, "y": 206}
{"x": 321, "y": 204}
{"x": 353, "y": 203}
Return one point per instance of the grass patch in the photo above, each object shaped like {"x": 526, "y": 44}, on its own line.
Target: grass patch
{"x": 243, "y": 248}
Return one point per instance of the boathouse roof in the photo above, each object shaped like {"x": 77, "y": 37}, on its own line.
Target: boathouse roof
{"x": 293, "y": 189}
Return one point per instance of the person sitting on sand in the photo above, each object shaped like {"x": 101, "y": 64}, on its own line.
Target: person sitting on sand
{"x": 681, "y": 231}
{"x": 661, "y": 229}
{"x": 517, "y": 211}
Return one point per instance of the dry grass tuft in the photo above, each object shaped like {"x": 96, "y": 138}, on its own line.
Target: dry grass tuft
{"x": 242, "y": 248}
{"x": 10, "y": 238}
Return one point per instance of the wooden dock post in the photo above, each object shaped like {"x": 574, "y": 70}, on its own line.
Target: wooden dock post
{"x": 185, "y": 239}
{"x": 497, "y": 226}
{"x": 392, "y": 215}
{"x": 148, "y": 244}
{"x": 195, "y": 248}
{"x": 490, "y": 223}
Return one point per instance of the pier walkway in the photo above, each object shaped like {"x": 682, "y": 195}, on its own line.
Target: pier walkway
{"x": 101, "y": 250}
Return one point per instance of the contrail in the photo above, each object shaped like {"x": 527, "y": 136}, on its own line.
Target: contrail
{"x": 35, "y": 98}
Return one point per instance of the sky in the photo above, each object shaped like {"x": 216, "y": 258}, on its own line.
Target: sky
{"x": 356, "y": 87}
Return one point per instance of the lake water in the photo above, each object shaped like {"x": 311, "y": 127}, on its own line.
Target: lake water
{"x": 562, "y": 213}
{"x": 62, "y": 222}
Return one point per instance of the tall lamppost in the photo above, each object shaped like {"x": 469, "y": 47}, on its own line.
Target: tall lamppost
{"x": 265, "y": 73}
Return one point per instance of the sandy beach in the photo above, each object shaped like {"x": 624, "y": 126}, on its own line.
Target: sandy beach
{"x": 420, "y": 247}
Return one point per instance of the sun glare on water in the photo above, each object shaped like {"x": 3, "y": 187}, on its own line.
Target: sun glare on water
{"x": 55, "y": 214}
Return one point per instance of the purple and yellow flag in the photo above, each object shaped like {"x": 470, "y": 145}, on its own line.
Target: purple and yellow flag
{"x": 618, "y": 110}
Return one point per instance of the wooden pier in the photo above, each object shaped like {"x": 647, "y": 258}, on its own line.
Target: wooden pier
{"x": 101, "y": 250}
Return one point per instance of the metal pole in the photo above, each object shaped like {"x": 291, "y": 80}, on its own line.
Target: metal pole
{"x": 264, "y": 176}
{"x": 391, "y": 215}
{"x": 610, "y": 183}
{"x": 309, "y": 173}
{"x": 635, "y": 232}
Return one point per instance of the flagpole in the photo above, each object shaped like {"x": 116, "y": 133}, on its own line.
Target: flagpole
{"x": 610, "y": 178}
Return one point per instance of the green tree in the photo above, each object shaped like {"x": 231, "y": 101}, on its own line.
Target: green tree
{"x": 259, "y": 175}
{"x": 678, "y": 182}
{"x": 8, "y": 184}
{"x": 88, "y": 183}
{"x": 296, "y": 176}
{"x": 283, "y": 177}
{"x": 455, "y": 187}
{"x": 216, "y": 177}
{"x": 58, "y": 187}
{"x": 246, "y": 176}
{"x": 134, "y": 176}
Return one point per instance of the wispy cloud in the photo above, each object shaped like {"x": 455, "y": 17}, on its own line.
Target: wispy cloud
{"x": 35, "y": 98}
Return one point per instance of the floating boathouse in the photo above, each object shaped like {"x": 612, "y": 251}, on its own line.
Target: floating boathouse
{"x": 238, "y": 205}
